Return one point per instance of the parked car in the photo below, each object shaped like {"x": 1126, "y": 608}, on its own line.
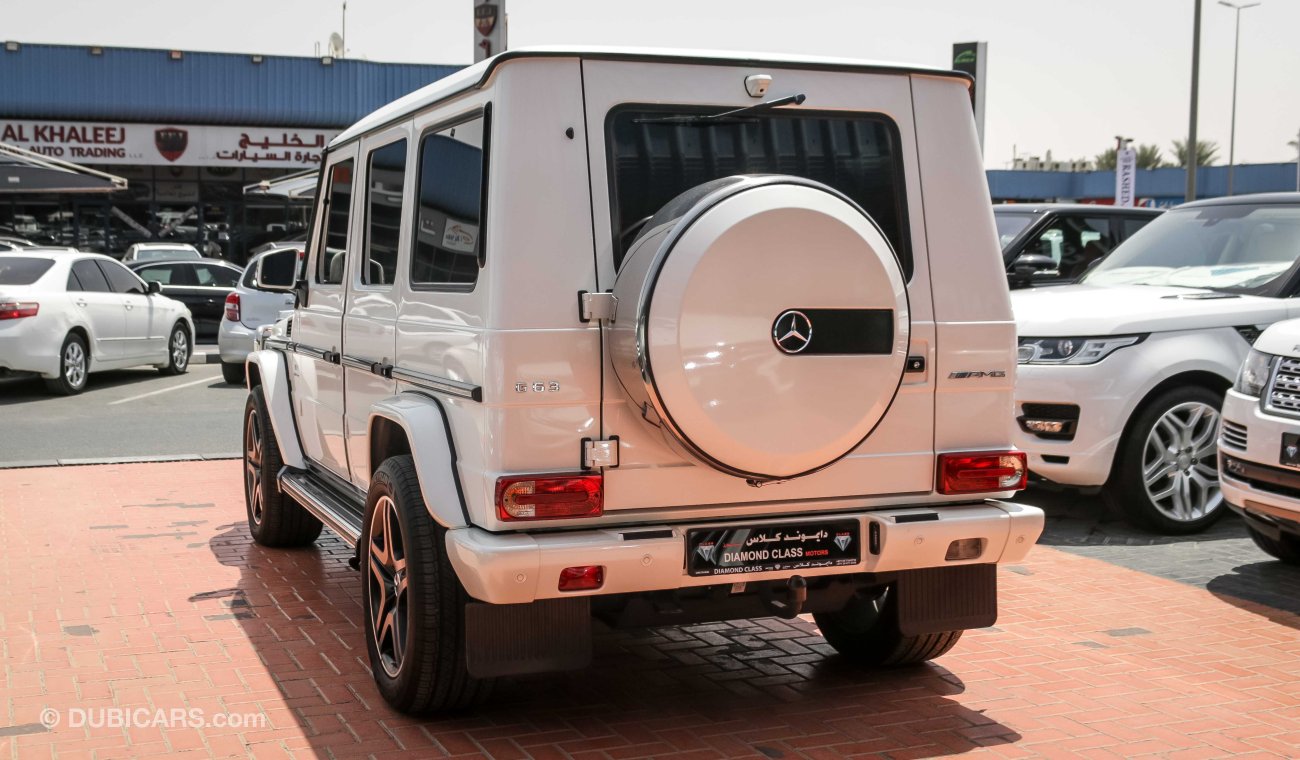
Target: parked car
{"x": 292, "y": 240}
{"x": 65, "y": 316}
{"x": 202, "y": 285}
{"x": 513, "y": 449}
{"x": 1259, "y": 442}
{"x": 1122, "y": 376}
{"x": 1055, "y": 243}
{"x": 14, "y": 243}
{"x": 247, "y": 308}
{"x": 156, "y": 251}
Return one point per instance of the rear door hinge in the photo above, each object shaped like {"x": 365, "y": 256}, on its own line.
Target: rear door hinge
{"x": 596, "y": 306}
{"x": 599, "y": 453}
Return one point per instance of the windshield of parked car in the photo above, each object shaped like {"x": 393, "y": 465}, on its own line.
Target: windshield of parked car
{"x": 1011, "y": 224}
{"x": 151, "y": 254}
{"x": 1241, "y": 248}
{"x": 20, "y": 270}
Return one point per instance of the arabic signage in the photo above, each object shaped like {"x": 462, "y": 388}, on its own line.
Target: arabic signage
{"x": 168, "y": 144}
{"x": 1125, "y": 176}
{"x": 731, "y": 550}
{"x": 489, "y": 28}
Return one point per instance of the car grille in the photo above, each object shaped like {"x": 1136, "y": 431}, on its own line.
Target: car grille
{"x": 1284, "y": 390}
{"x": 1234, "y": 435}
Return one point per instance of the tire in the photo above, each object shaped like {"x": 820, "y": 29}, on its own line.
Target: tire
{"x": 1173, "y": 439}
{"x": 74, "y": 367}
{"x": 419, "y": 660}
{"x": 866, "y": 632}
{"x": 273, "y": 518}
{"x": 232, "y": 373}
{"x": 179, "y": 349}
{"x": 1285, "y": 548}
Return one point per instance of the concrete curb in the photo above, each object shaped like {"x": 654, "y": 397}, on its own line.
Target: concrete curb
{"x": 116, "y": 460}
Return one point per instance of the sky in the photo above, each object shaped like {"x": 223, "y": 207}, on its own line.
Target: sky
{"x": 1063, "y": 75}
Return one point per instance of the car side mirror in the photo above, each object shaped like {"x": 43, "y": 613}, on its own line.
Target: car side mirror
{"x": 153, "y": 286}
{"x": 277, "y": 271}
{"x": 1029, "y": 264}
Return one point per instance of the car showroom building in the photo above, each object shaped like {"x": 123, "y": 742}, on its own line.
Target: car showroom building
{"x": 188, "y": 131}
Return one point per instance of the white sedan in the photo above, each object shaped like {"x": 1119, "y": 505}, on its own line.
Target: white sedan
{"x": 63, "y": 316}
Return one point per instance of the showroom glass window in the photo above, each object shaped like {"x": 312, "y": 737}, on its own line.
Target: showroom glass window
{"x": 385, "y": 177}
{"x": 448, "y": 247}
{"x": 653, "y": 161}
{"x": 333, "y": 257}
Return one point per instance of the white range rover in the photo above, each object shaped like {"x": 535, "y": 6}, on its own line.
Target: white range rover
{"x": 654, "y": 339}
{"x": 1259, "y": 442}
{"x": 1121, "y": 376}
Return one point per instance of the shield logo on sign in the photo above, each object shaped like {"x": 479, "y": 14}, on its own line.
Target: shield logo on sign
{"x": 842, "y": 540}
{"x": 485, "y": 18}
{"x": 171, "y": 142}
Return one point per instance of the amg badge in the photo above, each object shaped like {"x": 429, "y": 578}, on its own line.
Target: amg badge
{"x": 972, "y": 375}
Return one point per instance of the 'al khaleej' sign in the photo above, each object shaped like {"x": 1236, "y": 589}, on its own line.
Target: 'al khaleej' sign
{"x": 168, "y": 144}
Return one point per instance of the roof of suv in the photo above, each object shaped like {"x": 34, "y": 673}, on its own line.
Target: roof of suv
{"x": 476, "y": 76}
{"x": 1286, "y": 199}
{"x": 1038, "y": 208}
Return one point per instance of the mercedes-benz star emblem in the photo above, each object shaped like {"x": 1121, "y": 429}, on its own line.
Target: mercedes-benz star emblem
{"x": 792, "y": 331}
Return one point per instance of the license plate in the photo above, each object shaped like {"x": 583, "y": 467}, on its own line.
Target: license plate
{"x": 1290, "y": 450}
{"x": 762, "y": 548}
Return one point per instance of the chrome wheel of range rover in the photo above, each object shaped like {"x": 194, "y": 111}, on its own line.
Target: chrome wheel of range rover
{"x": 388, "y": 583}
{"x": 1166, "y": 472}
{"x": 1179, "y": 467}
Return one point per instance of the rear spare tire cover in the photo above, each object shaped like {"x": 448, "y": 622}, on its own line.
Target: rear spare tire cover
{"x": 763, "y": 323}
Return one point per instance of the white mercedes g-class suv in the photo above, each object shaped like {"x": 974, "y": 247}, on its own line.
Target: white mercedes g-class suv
{"x": 651, "y": 338}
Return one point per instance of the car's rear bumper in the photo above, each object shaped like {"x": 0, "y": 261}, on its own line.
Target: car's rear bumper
{"x": 235, "y": 341}
{"x": 511, "y": 568}
{"x": 26, "y": 346}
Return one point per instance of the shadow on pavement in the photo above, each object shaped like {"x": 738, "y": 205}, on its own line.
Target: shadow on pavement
{"x": 769, "y": 687}
{"x": 1076, "y": 518}
{"x": 1269, "y": 582}
{"x": 18, "y": 390}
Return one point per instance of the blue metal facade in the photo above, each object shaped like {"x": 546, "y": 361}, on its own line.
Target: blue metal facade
{"x": 1164, "y": 186}
{"x": 125, "y": 84}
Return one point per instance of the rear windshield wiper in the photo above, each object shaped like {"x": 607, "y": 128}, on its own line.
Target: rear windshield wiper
{"x": 726, "y": 117}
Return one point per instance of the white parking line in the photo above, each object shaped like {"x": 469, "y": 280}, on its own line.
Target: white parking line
{"x": 163, "y": 390}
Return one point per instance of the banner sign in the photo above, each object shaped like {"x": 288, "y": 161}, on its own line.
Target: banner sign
{"x": 168, "y": 144}
{"x": 1125, "y": 176}
{"x": 489, "y": 28}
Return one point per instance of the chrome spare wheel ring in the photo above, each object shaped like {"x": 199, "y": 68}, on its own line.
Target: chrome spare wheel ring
{"x": 253, "y": 465}
{"x": 180, "y": 349}
{"x": 388, "y": 583}
{"x": 74, "y": 364}
{"x": 1180, "y": 462}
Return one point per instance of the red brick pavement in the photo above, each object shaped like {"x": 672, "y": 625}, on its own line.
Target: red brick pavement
{"x": 137, "y": 587}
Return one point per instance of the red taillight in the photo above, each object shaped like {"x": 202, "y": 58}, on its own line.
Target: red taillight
{"x": 982, "y": 472}
{"x": 585, "y": 578}
{"x": 11, "y": 310}
{"x": 549, "y": 497}
{"x": 232, "y": 307}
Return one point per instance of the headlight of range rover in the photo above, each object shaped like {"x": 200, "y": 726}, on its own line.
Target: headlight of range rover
{"x": 1071, "y": 350}
{"x": 1254, "y": 373}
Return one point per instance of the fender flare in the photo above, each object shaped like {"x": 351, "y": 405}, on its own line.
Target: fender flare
{"x": 428, "y": 432}
{"x": 273, "y": 375}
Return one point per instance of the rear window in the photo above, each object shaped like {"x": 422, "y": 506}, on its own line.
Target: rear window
{"x": 151, "y": 254}
{"x": 19, "y": 270}
{"x": 652, "y": 162}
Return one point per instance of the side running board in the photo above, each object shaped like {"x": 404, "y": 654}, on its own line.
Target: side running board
{"x": 340, "y": 514}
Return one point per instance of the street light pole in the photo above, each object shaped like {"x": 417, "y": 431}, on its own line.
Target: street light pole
{"x": 1190, "y": 151}
{"x": 1236, "y": 49}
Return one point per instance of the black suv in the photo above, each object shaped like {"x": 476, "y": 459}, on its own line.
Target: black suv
{"x": 1054, "y": 243}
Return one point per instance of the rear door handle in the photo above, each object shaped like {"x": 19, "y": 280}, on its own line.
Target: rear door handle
{"x": 82, "y": 304}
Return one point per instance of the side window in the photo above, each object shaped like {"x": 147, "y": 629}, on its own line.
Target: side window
{"x": 448, "y": 246}
{"x": 92, "y": 280}
{"x": 120, "y": 279}
{"x": 74, "y": 285}
{"x": 215, "y": 276}
{"x": 384, "y": 181}
{"x": 1074, "y": 242}
{"x": 165, "y": 274}
{"x": 332, "y": 261}
{"x": 1133, "y": 224}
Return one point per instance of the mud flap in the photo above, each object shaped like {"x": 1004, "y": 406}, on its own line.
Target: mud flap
{"x": 937, "y": 599}
{"x": 515, "y": 639}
